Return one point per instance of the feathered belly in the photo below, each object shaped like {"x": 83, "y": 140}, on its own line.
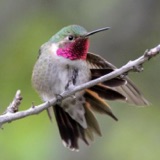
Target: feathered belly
{"x": 51, "y": 78}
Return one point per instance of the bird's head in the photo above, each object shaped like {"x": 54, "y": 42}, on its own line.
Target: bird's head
{"x": 72, "y": 42}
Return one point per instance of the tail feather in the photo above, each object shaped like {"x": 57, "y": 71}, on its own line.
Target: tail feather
{"x": 71, "y": 131}
{"x": 68, "y": 128}
{"x": 49, "y": 113}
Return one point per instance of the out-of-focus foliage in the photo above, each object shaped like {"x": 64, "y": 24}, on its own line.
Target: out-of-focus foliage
{"x": 135, "y": 26}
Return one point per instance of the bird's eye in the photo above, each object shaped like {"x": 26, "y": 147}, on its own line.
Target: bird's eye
{"x": 70, "y": 37}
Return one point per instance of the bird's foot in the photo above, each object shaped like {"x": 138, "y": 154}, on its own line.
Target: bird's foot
{"x": 59, "y": 99}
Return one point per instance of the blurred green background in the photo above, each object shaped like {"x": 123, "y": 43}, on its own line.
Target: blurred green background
{"x": 135, "y": 26}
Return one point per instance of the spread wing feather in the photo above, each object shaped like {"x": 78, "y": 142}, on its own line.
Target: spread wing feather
{"x": 99, "y": 67}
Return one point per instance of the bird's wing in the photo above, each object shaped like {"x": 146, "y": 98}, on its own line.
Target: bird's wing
{"x": 123, "y": 87}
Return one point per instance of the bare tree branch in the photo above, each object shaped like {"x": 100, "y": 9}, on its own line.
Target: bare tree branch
{"x": 13, "y": 107}
{"x": 12, "y": 113}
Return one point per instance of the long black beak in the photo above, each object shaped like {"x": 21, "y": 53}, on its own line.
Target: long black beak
{"x": 96, "y": 31}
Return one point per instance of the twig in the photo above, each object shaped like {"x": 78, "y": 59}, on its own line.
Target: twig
{"x": 11, "y": 113}
{"x": 13, "y": 107}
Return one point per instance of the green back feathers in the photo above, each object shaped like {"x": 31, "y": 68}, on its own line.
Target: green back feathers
{"x": 69, "y": 30}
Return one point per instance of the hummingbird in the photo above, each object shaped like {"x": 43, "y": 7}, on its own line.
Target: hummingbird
{"x": 64, "y": 62}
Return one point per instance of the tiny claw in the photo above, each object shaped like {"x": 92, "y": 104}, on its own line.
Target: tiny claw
{"x": 59, "y": 99}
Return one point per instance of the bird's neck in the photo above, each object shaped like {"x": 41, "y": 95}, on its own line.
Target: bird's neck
{"x": 74, "y": 51}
